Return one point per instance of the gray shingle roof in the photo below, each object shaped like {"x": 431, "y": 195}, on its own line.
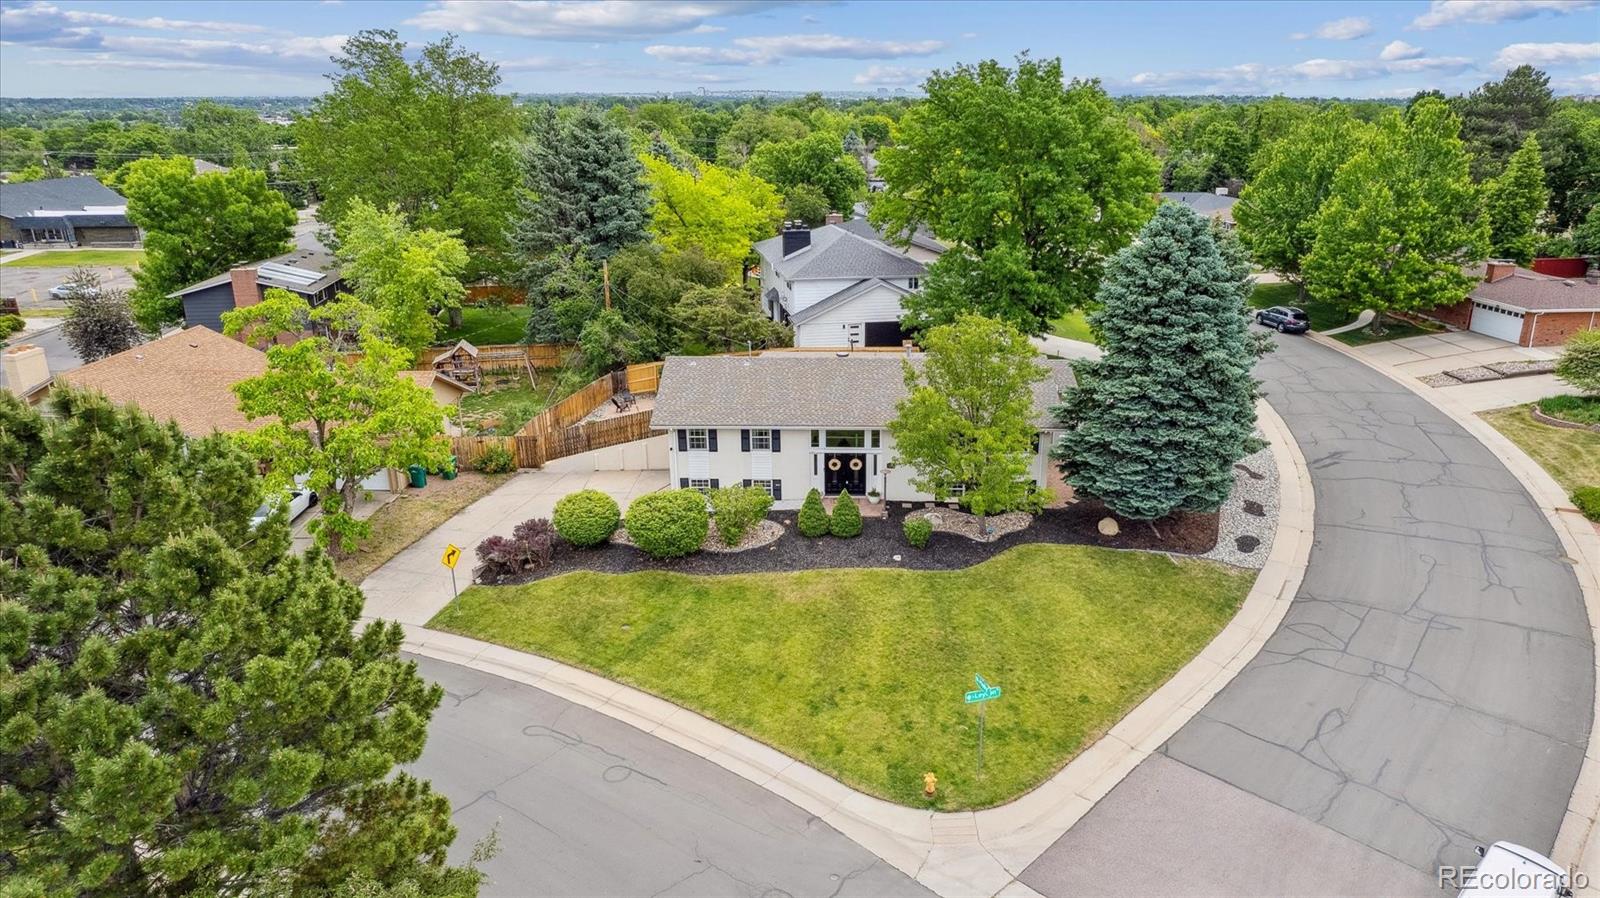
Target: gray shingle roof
{"x": 1530, "y": 291}
{"x": 804, "y": 389}
{"x": 1204, "y": 204}
{"x": 836, "y": 253}
{"x": 56, "y": 193}
{"x": 861, "y": 227}
{"x": 311, "y": 259}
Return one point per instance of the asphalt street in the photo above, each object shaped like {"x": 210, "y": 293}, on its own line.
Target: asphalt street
{"x": 57, "y": 352}
{"x": 1430, "y": 690}
{"x": 587, "y": 805}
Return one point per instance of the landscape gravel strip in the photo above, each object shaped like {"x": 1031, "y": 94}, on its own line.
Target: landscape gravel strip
{"x": 1249, "y": 518}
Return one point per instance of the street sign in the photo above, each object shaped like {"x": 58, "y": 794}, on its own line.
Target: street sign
{"x": 983, "y": 693}
{"x": 452, "y": 554}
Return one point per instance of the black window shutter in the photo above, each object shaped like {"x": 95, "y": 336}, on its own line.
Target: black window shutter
{"x": 777, "y": 444}
{"x": 744, "y": 440}
{"x": 777, "y": 486}
{"x": 715, "y": 483}
{"x": 683, "y": 440}
{"x": 683, "y": 482}
{"x": 746, "y": 483}
{"x": 711, "y": 439}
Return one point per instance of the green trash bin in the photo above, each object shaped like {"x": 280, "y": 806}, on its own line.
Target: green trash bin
{"x": 419, "y": 475}
{"x": 450, "y": 469}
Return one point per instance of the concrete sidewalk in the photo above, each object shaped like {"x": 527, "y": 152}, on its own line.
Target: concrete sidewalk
{"x": 412, "y": 586}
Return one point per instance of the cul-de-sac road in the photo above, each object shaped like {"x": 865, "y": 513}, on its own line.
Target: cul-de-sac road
{"x": 1431, "y": 689}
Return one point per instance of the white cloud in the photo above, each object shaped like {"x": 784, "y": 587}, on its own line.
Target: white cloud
{"x": 1552, "y": 54}
{"x": 570, "y": 20}
{"x": 707, "y": 29}
{"x": 1250, "y": 77}
{"x": 25, "y": 24}
{"x": 1488, "y": 12}
{"x": 1340, "y": 29}
{"x": 890, "y": 76}
{"x": 810, "y": 19}
{"x": 1578, "y": 84}
{"x": 771, "y": 48}
{"x": 969, "y": 35}
{"x": 1400, "y": 50}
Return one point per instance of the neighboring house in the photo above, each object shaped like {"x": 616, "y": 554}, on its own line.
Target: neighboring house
{"x": 76, "y": 211}
{"x": 206, "y": 167}
{"x": 1206, "y": 205}
{"x": 922, "y": 246}
{"x": 836, "y": 287}
{"x": 791, "y": 422}
{"x": 1525, "y": 307}
{"x": 314, "y": 274}
{"x": 875, "y": 183}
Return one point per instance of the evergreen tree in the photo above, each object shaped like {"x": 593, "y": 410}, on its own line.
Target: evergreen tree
{"x": 1403, "y": 218}
{"x": 1498, "y": 116}
{"x": 813, "y": 518}
{"x": 189, "y": 708}
{"x": 846, "y": 520}
{"x": 584, "y": 185}
{"x": 1157, "y": 424}
{"x": 1514, "y": 201}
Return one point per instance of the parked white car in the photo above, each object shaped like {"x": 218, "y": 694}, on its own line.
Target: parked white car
{"x": 298, "y": 501}
{"x": 65, "y": 291}
{"x": 1511, "y": 870}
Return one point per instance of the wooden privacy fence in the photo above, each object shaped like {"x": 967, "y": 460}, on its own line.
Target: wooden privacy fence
{"x": 644, "y": 378}
{"x": 573, "y": 409}
{"x": 532, "y": 451}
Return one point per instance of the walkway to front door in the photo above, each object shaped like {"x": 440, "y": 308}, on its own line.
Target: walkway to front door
{"x": 842, "y": 471}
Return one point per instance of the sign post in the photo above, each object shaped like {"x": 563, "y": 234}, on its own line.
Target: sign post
{"x": 452, "y": 554}
{"x": 981, "y": 697}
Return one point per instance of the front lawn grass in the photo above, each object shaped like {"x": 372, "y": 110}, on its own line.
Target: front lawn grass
{"x": 1567, "y": 407}
{"x": 1571, "y": 456}
{"x": 861, "y": 673}
{"x": 486, "y": 326}
{"x": 72, "y": 258}
{"x": 1326, "y": 316}
{"x": 1073, "y": 326}
{"x": 413, "y": 515}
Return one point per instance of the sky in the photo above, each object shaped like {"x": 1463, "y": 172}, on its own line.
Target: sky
{"x": 1357, "y": 48}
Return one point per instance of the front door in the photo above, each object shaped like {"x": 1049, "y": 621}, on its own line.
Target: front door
{"x": 842, "y": 471}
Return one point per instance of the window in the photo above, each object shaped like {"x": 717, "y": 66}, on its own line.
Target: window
{"x": 958, "y": 490}
{"x": 699, "y": 484}
{"x": 760, "y": 440}
{"x": 698, "y": 439}
{"x": 762, "y": 485}
{"x": 875, "y": 439}
{"x": 846, "y": 439}
{"x": 915, "y": 283}
{"x": 814, "y": 438}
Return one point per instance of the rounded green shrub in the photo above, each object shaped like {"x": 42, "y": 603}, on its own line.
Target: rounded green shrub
{"x": 1587, "y": 499}
{"x": 737, "y": 508}
{"x": 586, "y": 518}
{"x": 10, "y": 324}
{"x": 1579, "y": 364}
{"x": 918, "y": 531}
{"x": 846, "y": 523}
{"x": 669, "y": 524}
{"x": 496, "y": 460}
{"x": 813, "y": 518}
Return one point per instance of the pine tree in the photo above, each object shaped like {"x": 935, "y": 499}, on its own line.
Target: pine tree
{"x": 846, "y": 520}
{"x": 585, "y": 187}
{"x": 1514, "y": 201}
{"x": 1156, "y": 425}
{"x": 189, "y": 708}
{"x": 813, "y": 518}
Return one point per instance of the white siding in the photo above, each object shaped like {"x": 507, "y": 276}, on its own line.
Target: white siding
{"x": 806, "y": 293}
{"x": 831, "y": 328}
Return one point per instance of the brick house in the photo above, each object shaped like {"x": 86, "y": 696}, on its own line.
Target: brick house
{"x": 1525, "y": 307}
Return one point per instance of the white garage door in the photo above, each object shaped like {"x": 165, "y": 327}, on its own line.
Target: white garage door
{"x": 1496, "y": 322}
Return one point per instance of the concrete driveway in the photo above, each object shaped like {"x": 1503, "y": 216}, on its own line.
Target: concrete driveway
{"x": 1433, "y": 353}
{"x": 1430, "y": 689}
{"x": 412, "y": 586}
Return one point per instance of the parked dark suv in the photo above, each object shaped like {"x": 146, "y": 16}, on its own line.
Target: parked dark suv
{"x": 1287, "y": 319}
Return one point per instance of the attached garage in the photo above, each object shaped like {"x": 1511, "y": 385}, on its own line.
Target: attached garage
{"x": 1495, "y": 321}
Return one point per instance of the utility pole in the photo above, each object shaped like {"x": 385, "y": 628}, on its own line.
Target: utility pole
{"x": 605, "y": 274}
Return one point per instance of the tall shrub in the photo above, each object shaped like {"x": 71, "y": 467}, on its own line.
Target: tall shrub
{"x": 669, "y": 524}
{"x": 846, "y": 522}
{"x": 813, "y": 518}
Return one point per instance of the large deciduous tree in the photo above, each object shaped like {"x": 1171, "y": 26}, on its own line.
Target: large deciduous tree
{"x": 817, "y": 161}
{"x": 1033, "y": 182}
{"x": 720, "y": 210}
{"x": 1570, "y": 141}
{"x": 189, "y": 708}
{"x": 1156, "y": 425}
{"x": 1514, "y": 202}
{"x": 968, "y": 420}
{"x": 585, "y": 186}
{"x": 405, "y": 274}
{"x": 335, "y": 421}
{"x": 196, "y": 227}
{"x": 1403, "y": 219}
{"x": 433, "y": 137}
{"x": 726, "y": 319}
{"x": 1277, "y": 210}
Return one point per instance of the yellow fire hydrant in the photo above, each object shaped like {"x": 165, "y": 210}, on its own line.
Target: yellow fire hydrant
{"x": 930, "y": 784}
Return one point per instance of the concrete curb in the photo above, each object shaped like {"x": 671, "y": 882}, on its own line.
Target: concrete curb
{"x": 1576, "y": 843}
{"x": 968, "y": 852}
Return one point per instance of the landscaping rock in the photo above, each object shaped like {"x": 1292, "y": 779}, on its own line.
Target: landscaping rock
{"x": 1523, "y": 367}
{"x": 963, "y": 524}
{"x": 1439, "y": 380}
{"x": 1475, "y": 374}
{"x": 1249, "y": 518}
{"x": 763, "y": 533}
{"x": 1109, "y": 527}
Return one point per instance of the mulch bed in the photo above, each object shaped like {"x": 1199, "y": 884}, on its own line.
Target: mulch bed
{"x": 881, "y": 540}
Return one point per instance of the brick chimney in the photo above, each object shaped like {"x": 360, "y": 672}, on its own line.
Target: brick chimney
{"x": 1499, "y": 270}
{"x": 834, "y": 218}
{"x": 245, "y": 290}
{"x": 25, "y": 368}
{"x": 796, "y": 237}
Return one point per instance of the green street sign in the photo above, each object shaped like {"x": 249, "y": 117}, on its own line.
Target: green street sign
{"x": 983, "y": 693}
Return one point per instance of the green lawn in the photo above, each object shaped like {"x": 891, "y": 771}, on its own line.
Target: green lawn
{"x": 1073, "y": 326}
{"x": 484, "y": 326}
{"x": 504, "y": 402}
{"x": 1571, "y": 456}
{"x": 1326, "y": 316}
{"x": 860, "y": 673}
{"x": 72, "y": 258}
{"x": 1567, "y": 407}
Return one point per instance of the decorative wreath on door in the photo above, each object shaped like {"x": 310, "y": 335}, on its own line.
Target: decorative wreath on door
{"x": 855, "y": 464}
{"x": 833, "y": 464}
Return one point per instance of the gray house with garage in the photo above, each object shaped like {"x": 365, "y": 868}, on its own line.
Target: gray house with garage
{"x": 837, "y": 287}
{"x": 312, "y": 273}
{"x": 789, "y": 422}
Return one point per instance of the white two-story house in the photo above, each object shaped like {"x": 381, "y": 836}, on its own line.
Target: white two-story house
{"x": 790, "y": 422}
{"x": 836, "y": 287}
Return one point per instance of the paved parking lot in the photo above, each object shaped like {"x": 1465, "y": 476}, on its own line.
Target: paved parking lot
{"x": 31, "y": 286}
